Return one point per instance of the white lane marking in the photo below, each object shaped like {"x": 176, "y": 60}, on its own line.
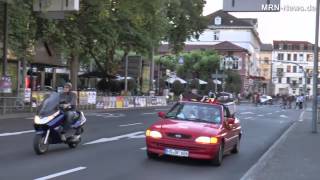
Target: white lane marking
{"x": 149, "y": 113}
{"x": 269, "y": 113}
{"x": 277, "y": 111}
{"x": 301, "y": 116}
{"x": 260, "y": 115}
{"x": 247, "y": 113}
{"x": 133, "y": 124}
{"x": 138, "y": 136}
{"x": 62, "y": 173}
{"x": 103, "y": 140}
{"x": 30, "y": 118}
{"x": 283, "y": 116}
{"x": 16, "y": 133}
{"x": 248, "y": 118}
{"x": 144, "y": 148}
{"x": 164, "y": 109}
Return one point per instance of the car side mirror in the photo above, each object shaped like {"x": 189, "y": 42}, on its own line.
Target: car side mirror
{"x": 162, "y": 114}
{"x": 231, "y": 120}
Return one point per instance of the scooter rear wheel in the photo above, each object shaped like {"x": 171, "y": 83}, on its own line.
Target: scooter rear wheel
{"x": 38, "y": 144}
{"x": 73, "y": 145}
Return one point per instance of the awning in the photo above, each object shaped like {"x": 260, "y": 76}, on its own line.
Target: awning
{"x": 216, "y": 81}
{"x": 171, "y": 80}
{"x": 201, "y": 82}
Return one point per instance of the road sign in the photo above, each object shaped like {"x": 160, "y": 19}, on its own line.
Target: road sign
{"x": 251, "y": 6}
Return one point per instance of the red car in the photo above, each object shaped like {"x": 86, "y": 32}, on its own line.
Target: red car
{"x": 195, "y": 130}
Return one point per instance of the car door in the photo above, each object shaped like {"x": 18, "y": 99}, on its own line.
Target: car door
{"x": 227, "y": 130}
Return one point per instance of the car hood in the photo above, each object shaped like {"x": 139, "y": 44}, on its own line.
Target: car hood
{"x": 188, "y": 127}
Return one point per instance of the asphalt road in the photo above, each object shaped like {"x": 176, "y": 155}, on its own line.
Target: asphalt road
{"x": 113, "y": 148}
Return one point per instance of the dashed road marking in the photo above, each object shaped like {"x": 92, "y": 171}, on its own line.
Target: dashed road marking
{"x": 301, "y": 116}
{"x": 133, "y": 124}
{"x": 269, "y": 113}
{"x": 150, "y": 113}
{"x": 115, "y": 138}
{"x": 283, "y": 116}
{"x": 260, "y": 115}
{"x": 61, "y": 173}
{"x": 248, "y": 118}
{"x": 16, "y": 133}
{"x": 144, "y": 148}
{"x": 246, "y": 113}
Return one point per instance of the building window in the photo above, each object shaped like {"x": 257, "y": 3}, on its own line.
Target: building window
{"x": 276, "y": 46}
{"x": 217, "y": 20}
{"x": 301, "y": 47}
{"x": 289, "y": 57}
{"x": 300, "y": 80}
{"x": 280, "y": 56}
{"x": 216, "y": 35}
{"x": 288, "y": 68}
{"x": 309, "y": 57}
{"x": 285, "y": 47}
{"x": 279, "y": 80}
{"x": 294, "y": 69}
{"x": 266, "y": 60}
{"x": 294, "y": 83}
{"x": 281, "y": 46}
{"x": 279, "y": 72}
{"x": 308, "y": 80}
{"x": 295, "y": 57}
{"x": 300, "y": 57}
{"x": 289, "y": 46}
{"x": 288, "y": 80}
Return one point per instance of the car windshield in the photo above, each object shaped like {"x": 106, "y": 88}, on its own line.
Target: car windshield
{"x": 195, "y": 112}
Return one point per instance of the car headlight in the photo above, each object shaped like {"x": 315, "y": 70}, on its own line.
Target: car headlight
{"x": 206, "y": 140}
{"x": 153, "y": 134}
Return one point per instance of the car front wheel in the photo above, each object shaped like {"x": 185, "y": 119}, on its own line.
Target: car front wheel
{"x": 151, "y": 155}
{"x": 217, "y": 160}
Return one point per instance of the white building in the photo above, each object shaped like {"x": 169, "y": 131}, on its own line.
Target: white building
{"x": 239, "y": 31}
{"x": 290, "y": 60}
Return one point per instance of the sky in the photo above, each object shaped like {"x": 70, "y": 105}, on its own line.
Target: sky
{"x": 285, "y": 25}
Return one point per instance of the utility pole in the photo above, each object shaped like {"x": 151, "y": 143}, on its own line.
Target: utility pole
{"x": 315, "y": 74}
{"x": 126, "y": 76}
{"x": 5, "y": 39}
{"x": 152, "y": 69}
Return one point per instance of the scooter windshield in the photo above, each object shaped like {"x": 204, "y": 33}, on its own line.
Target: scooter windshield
{"x": 49, "y": 105}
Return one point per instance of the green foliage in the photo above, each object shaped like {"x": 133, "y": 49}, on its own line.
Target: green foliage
{"x": 233, "y": 82}
{"x": 167, "y": 62}
{"x": 199, "y": 64}
{"x": 177, "y": 88}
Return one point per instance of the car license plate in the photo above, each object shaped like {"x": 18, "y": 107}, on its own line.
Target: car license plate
{"x": 175, "y": 152}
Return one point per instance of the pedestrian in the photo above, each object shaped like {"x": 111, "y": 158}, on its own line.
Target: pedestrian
{"x": 284, "y": 101}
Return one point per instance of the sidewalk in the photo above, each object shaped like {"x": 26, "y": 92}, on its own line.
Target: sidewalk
{"x": 295, "y": 156}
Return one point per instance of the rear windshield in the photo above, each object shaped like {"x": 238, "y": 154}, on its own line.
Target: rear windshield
{"x": 195, "y": 112}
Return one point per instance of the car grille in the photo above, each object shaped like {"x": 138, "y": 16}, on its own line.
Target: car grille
{"x": 178, "y": 136}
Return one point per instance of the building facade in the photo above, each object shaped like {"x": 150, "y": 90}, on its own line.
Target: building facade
{"x": 240, "y": 32}
{"x": 265, "y": 59}
{"x": 292, "y": 67}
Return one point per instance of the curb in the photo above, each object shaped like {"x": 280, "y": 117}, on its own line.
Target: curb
{"x": 261, "y": 163}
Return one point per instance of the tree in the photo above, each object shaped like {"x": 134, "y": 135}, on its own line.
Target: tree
{"x": 177, "y": 88}
{"x": 186, "y": 21}
{"x": 233, "y": 82}
{"x": 199, "y": 64}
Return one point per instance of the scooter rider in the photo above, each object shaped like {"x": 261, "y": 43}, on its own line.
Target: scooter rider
{"x": 69, "y": 100}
